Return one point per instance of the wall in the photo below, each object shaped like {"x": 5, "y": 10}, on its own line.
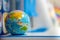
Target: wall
{"x": 55, "y": 2}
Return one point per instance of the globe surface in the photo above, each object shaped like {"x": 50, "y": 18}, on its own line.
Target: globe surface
{"x": 17, "y": 22}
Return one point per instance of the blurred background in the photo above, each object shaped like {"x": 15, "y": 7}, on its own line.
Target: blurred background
{"x": 19, "y": 5}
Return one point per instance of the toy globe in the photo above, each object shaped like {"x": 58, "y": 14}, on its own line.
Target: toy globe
{"x": 17, "y": 22}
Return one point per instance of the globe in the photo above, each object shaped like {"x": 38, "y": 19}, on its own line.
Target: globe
{"x": 17, "y": 22}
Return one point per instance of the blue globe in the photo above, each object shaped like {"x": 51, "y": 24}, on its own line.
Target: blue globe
{"x": 17, "y": 22}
